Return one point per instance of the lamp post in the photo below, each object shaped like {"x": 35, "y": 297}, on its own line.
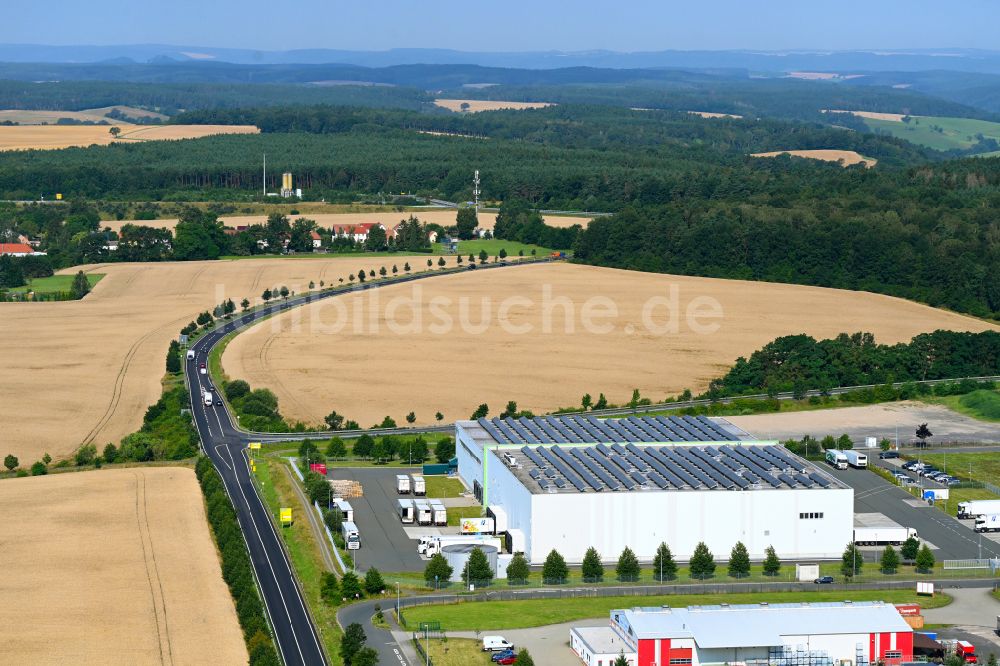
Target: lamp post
{"x": 397, "y": 600}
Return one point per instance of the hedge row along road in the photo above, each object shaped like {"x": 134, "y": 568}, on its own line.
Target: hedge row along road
{"x": 226, "y": 444}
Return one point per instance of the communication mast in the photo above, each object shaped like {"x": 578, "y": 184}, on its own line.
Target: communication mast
{"x": 475, "y": 191}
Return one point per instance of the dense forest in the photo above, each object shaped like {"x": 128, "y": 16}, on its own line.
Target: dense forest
{"x": 800, "y": 362}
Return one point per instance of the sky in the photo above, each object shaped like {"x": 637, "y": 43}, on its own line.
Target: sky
{"x": 511, "y": 25}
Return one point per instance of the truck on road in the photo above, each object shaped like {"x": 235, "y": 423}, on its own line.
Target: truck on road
{"x": 974, "y": 508}
{"x": 190, "y": 354}
{"x": 207, "y": 398}
{"x": 988, "y": 523}
{"x": 836, "y": 459}
{"x": 418, "y": 485}
{"x": 856, "y": 459}
{"x": 403, "y": 484}
{"x": 351, "y": 535}
{"x": 874, "y": 529}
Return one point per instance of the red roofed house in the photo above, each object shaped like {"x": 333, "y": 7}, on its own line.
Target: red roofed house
{"x": 18, "y": 250}
{"x": 317, "y": 240}
{"x": 357, "y": 232}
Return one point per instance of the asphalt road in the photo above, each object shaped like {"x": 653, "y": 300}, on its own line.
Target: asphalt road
{"x": 953, "y": 539}
{"x": 384, "y": 544}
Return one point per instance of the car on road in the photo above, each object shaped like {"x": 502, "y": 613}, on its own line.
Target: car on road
{"x": 496, "y": 644}
{"x": 824, "y": 580}
{"x": 886, "y": 455}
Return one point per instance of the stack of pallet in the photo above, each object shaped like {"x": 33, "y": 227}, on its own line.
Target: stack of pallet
{"x": 346, "y": 488}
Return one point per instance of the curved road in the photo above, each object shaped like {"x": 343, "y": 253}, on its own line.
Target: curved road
{"x": 225, "y": 443}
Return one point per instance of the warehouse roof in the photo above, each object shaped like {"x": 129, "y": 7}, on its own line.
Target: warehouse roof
{"x": 588, "y": 429}
{"x": 758, "y": 625}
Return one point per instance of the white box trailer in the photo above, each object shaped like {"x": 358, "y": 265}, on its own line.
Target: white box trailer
{"x": 974, "y": 508}
{"x": 404, "y": 507}
{"x": 988, "y": 523}
{"x": 439, "y": 514}
{"x": 422, "y": 512}
{"x": 874, "y": 529}
{"x": 856, "y": 459}
{"x": 351, "y": 535}
{"x": 346, "y": 510}
{"x": 418, "y": 485}
{"x": 403, "y": 484}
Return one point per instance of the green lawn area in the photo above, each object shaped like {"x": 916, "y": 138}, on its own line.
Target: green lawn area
{"x": 443, "y": 486}
{"x": 493, "y": 247}
{"x": 498, "y": 615}
{"x": 982, "y": 404}
{"x": 456, "y": 652}
{"x": 456, "y": 513}
{"x": 983, "y": 466}
{"x": 56, "y": 283}
{"x": 939, "y": 133}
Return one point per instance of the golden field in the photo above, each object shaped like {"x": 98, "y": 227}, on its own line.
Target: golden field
{"x": 51, "y": 137}
{"x": 85, "y": 371}
{"x": 477, "y": 105}
{"x": 844, "y": 157}
{"x": 113, "y": 567}
{"x": 26, "y": 117}
{"x": 367, "y": 360}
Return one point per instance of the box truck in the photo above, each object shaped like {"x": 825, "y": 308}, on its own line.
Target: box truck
{"x": 351, "y": 535}
{"x": 402, "y": 484}
{"x": 346, "y": 510}
{"x": 856, "y": 459}
{"x": 207, "y": 398}
{"x": 422, "y": 512}
{"x": 974, "y": 508}
{"x": 988, "y": 523}
{"x": 836, "y": 459}
{"x": 439, "y": 514}
{"x": 418, "y": 485}
{"x": 404, "y": 507}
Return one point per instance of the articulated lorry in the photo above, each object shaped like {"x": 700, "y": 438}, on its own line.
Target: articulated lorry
{"x": 351, "y": 535}
{"x": 974, "y": 508}
{"x": 988, "y": 523}
{"x": 836, "y": 459}
{"x": 874, "y": 529}
{"x": 430, "y": 545}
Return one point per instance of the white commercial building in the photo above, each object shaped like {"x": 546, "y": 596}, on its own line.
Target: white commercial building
{"x": 818, "y": 634}
{"x": 574, "y": 482}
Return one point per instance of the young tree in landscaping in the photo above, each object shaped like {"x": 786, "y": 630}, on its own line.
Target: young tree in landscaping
{"x": 483, "y": 256}
{"x": 593, "y": 569}
{"x": 602, "y": 402}
{"x": 828, "y": 443}
{"x": 477, "y": 569}
{"x": 502, "y": 254}
{"x": 11, "y": 462}
{"x": 387, "y": 422}
{"x": 586, "y": 401}
{"x": 334, "y": 420}
{"x": 518, "y": 570}
{"x": 910, "y": 549}
{"x": 702, "y": 564}
{"x": 284, "y": 291}
{"x": 444, "y": 450}
{"x": 38, "y": 468}
{"x": 628, "y": 566}
{"x": 437, "y": 571}
{"x": 524, "y": 659}
{"x": 438, "y": 416}
{"x": 350, "y": 586}
{"x": 481, "y": 411}
{"x": 890, "y": 560}
{"x": 772, "y": 565}
{"x": 363, "y": 446}
{"x": 554, "y": 571}
{"x": 416, "y": 451}
{"x": 382, "y": 271}
{"x": 373, "y": 582}
{"x": 634, "y": 400}
{"x": 329, "y": 589}
{"x": 925, "y": 560}
{"x": 352, "y": 642}
{"x": 406, "y": 267}
{"x": 923, "y": 432}
{"x": 739, "y": 561}
{"x": 844, "y": 442}
{"x": 621, "y": 660}
{"x": 336, "y": 448}
{"x": 441, "y": 262}
{"x": 245, "y": 304}
{"x": 267, "y": 295}
{"x": 664, "y": 567}
{"x": 80, "y": 286}
{"x": 411, "y": 417}
{"x": 851, "y": 562}
{"x": 366, "y": 656}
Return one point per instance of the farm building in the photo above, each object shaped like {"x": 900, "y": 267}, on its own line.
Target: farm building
{"x": 571, "y": 482}
{"x": 356, "y": 232}
{"x": 18, "y": 250}
{"x": 817, "y": 634}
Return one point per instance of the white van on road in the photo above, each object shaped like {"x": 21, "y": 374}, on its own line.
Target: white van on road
{"x": 496, "y": 644}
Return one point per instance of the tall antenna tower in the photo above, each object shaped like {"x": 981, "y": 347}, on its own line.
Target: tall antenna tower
{"x": 475, "y": 191}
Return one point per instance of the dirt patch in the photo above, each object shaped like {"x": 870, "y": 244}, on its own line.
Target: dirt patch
{"x": 844, "y": 157}
{"x": 349, "y": 357}
{"x": 327, "y": 220}
{"x": 880, "y": 421}
{"x": 50, "y": 137}
{"x": 113, "y": 567}
{"x": 477, "y": 105}
{"x": 85, "y": 371}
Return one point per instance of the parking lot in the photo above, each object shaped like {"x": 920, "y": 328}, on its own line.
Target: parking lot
{"x": 950, "y": 538}
{"x": 384, "y": 543}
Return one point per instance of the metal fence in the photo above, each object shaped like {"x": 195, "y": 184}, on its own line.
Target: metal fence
{"x": 987, "y": 563}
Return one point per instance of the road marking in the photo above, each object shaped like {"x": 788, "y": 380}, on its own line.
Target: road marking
{"x": 399, "y": 656}
{"x": 220, "y": 455}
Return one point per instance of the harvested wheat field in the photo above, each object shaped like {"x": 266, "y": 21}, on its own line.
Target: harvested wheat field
{"x": 113, "y": 567}
{"x": 477, "y": 105}
{"x": 50, "y": 137}
{"x": 29, "y": 117}
{"x": 327, "y": 220}
{"x": 331, "y": 356}
{"x": 873, "y": 115}
{"x": 844, "y": 157}
{"x": 712, "y": 114}
{"x": 85, "y": 371}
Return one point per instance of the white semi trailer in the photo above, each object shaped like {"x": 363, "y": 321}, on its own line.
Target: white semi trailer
{"x": 856, "y": 459}
{"x": 418, "y": 485}
{"x": 404, "y": 507}
{"x": 403, "y": 484}
{"x": 974, "y": 508}
{"x": 874, "y": 529}
{"x": 351, "y": 535}
{"x": 439, "y": 514}
{"x": 422, "y": 512}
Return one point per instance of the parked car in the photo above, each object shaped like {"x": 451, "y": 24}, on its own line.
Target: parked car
{"x": 824, "y": 580}
{"x": 497, "y": 656}
{"x": 953, "y": 481}
{"x": 507, "y": 661}
{"x": 909, "y": 481}
{"x": 886, "y": 455}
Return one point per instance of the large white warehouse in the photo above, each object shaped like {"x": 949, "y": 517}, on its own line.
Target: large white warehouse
{"x": 569, "y": 483}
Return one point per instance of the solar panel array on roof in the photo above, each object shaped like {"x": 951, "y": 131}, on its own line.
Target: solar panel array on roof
{"x": 588, "y": 429}
{"x": 625, "y": 467}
